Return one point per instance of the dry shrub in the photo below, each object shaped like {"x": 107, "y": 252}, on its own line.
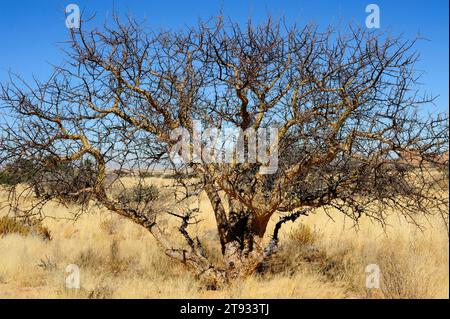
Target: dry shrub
{"x": 304, "y": 251}
{"x": 406, "y": 271}
{"x": 112, "y": 262}
{"x": 47, "y": 264}
{"x": 303, "y": 235}
{"x": 10, "y": 225}
{"x": 110, "y": 226}
{"x": 298, "y": 250}
{"x": 139, "y": 194}
{"x": 101, "y": 291}
{"x": 116, "y": 263}
{"x": 399, "y": 279}
{"x": 88, "y": 258}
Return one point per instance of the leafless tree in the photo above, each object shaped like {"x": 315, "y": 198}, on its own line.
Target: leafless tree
{"x": 352, "y": 134}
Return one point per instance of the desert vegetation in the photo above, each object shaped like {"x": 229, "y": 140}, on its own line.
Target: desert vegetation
{"x": 361, "y": 172}
{"x": 317, "y": 258}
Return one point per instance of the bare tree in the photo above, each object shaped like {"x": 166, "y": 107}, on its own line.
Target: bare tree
{"x": 351, "y": 133}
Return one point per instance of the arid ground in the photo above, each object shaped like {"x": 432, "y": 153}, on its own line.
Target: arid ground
{"x": 320, "y": 257}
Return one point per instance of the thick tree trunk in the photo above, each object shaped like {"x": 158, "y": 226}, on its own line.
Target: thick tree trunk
{"x": 241, "y": 234}
{"x": 243, "y": 251}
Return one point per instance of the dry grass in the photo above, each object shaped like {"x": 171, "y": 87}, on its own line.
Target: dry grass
{"x": 318, "y": 258}
{"x": 9, "y": 225}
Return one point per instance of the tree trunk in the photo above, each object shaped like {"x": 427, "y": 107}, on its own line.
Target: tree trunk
{"x": 243, "y": 251}
{"x": 240, "y": 234}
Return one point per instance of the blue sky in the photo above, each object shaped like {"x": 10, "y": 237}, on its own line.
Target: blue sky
{"x": 32, "y": 31}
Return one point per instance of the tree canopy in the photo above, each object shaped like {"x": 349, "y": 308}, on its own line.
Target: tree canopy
{"x": 346, "y": 107}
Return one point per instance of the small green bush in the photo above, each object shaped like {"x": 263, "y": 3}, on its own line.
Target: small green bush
{"x": 19, "y": 171}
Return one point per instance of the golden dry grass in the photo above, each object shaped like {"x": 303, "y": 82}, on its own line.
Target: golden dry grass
{"x": 319, "y": 258}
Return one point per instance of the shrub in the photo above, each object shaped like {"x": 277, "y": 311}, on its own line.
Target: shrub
{"x": 65, "y": 181}
{"x": 110, "y": 226}
{"x": 139, "y": 194}
{"x": 398, "y": 278}
{"x": 147, "y": 174}
{"x": 6, "y": 179}
{"x": 112, "y": 262}
{"x": 19, "y": 171}
{"x": 101, "y": 291}
{"x": 47, "y": 264}
{"x": 303, "y": 235}
{"x": 62, "y": 181}
{"x": 121, "y": 173}
{"x": 9, "y": 225}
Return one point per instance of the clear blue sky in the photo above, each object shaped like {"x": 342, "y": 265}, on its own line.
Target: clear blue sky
{"x": 30, "y": 31}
